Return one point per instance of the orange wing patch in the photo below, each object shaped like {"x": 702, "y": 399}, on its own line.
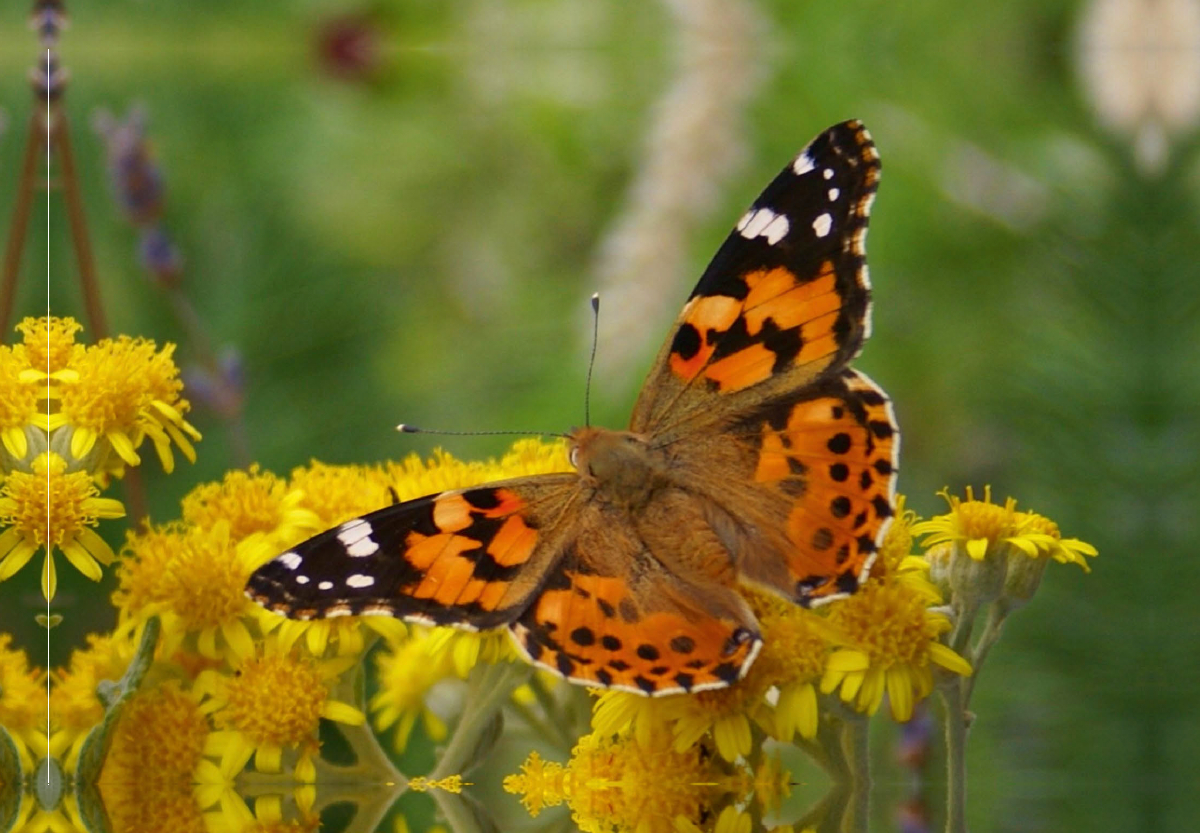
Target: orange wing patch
{"x": 592, "y": 630}
{"x": 835, "y": 456}
{"x": 781, "y": 322}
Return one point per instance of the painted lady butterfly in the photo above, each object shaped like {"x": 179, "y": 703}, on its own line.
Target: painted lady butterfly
{"x": 754, "y": 454}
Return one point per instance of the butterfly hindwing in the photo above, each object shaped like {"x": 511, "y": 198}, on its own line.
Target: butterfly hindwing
{"x": 614, "y": 614}
{"x": 827, "y": 458}
{"x": 785, "y": 299}
{"x": 470, "y": 558}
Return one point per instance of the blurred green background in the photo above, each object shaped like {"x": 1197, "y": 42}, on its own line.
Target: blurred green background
{"x": 411, "y": 233}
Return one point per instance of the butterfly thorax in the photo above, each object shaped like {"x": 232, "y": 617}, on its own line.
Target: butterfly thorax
{"x": 619, "y": 465}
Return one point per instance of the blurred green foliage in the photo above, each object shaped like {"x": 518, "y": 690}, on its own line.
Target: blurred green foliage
{"x": 420, "y": 247}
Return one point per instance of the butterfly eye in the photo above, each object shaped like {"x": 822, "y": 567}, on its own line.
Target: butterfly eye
{"x": 574, "y": 456}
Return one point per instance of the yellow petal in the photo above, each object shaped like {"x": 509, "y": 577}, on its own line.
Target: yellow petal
{"x": 900, "y": 692}
{"x": 848, "y": 659}
{"x": 121, "y": 444}
{"x": 238, "y": 638}
{"x": 206, "y": 643}
{"x": 17, "y": 556}
{"x": 49, "y": 575}
{"x": 852, "y": 684}
{"x": 317, "y": 639}
{"x": 949, "y": 660}
{"x": 106, "y": 507}
{"x": 268, "y": 757}
{"x": 977, "y": 548}
{"x": 82, "y": 441}
{"x": 82, "y": 560}
{"x": 342, "y": 713}
{"x": 184, "y": 446}
{"x": 14, "y": 442}
{"x": 268, "y": 810}
{"x": 871, "y": 696}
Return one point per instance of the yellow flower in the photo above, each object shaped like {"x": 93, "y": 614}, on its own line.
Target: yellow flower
{"x": 891, "y": 641}
{"x": 252, "y": 501}
{"x": 338, "y": 493}
{"x": 127, "y": 391}
{"x": 226, "y": 810}
{"x": 414, "y": 477}
{"x": 1040, "y": 536}
{"x": 18, "y": 404}
{"x": 406, "y": 671}
{"x": 22, "y": 697}
{"x": 614, "y": 784}
{"x": 146, "y": 781}
{"x": 792, "y": 660}
{"x": 51, "y": 507}
{"x": 979, "y": 526}
{"x": 274, "y": 700}
{"x": 722, "y": 714}
{"x": 194, "y": 578}
{"x": 1005, "y": 550}
{"x": 49, "y": 348}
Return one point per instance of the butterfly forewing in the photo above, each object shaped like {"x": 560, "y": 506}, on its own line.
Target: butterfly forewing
{"x": 785, "y": 299}
{"x": 469, "y": 558}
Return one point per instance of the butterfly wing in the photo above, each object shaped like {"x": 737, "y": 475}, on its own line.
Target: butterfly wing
{"x": 786, "y": 298}
{"x": 752, "y": 382}
{"x": 617, "y": 611}
{"x": 471, "y": 558}
{"x": 583, "y": 594}
{"x": 809, "y": 485}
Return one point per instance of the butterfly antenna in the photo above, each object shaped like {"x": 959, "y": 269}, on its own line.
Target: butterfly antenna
{"x": 405, "y": 428}
{"x": 587, "y": 391}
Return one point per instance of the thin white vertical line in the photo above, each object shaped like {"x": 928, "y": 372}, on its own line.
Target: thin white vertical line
{"x": 49, "y": 552}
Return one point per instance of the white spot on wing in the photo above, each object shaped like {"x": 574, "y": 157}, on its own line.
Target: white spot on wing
{"x": 763, "y": 222}
{"x": 325, "y": 585}
{"x": 823, "y": 224}
{"x": 803, "y": 164}
{"x": 777, "y": 229}
{"x": 758, "y": 221}
{"x": 359, "y": 580}
{"x": 301, "y": 579}
{"x": 290, "y": 560}
{"x": 354, "y": 530}
{"x": 362, "y": 547}
{"x": 827, "y": 173}
{"x": 833, "y": 194}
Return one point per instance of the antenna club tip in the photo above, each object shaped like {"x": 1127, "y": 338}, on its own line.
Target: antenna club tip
{"x": 405, "y": 428}
{"x": 596, "y": 301}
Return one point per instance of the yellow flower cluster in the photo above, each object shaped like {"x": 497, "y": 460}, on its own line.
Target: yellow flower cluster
{"x": 72, "y": 417}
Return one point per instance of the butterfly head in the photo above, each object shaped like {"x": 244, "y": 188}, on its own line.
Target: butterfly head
{"x": 618, "y": 463}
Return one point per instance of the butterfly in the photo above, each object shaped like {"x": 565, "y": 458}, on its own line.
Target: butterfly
{"x": 755, "y": 455}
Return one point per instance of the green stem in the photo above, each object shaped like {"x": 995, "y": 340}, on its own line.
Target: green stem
{"x": 855, "y": 747}
{"x": 547, "y": 730}
{"x": 490, "y": 688}
{"x": 991, "y": 633}
{"x": 956, "y": 757}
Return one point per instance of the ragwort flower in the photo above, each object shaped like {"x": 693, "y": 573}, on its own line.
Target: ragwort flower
{"x": 274, "y": 701}
{"x": 51, "y": 507}
{"x": 890, "y": 641}
{"x": 127, "y": 390}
